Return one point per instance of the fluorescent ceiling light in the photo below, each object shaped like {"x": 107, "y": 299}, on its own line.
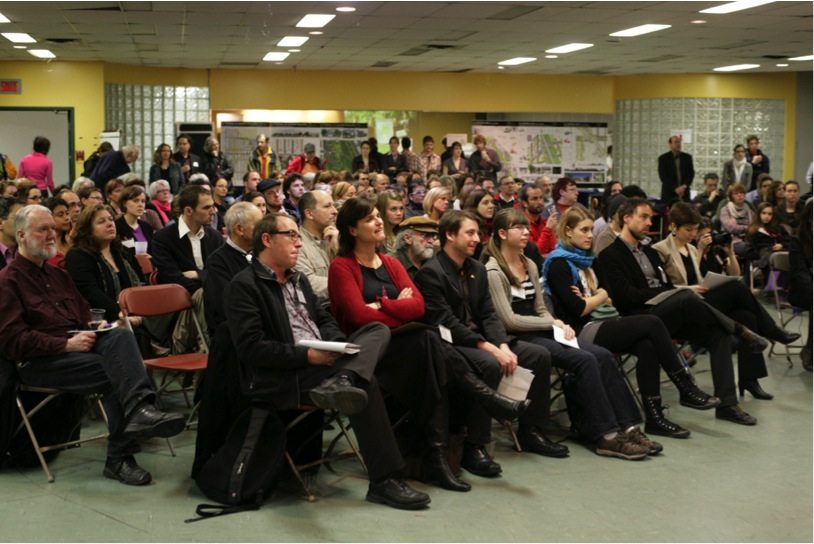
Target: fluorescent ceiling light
{"x": 316, "y": 33}
{"x": 315, "y": 20}
{"x": 42, "y": 53}
{"x": 736, "y": 67}
{"x": 806, "y": 57}
{"x": 639, "y": 30}
{"x": 19, "y": 37}
{"x": 294, "y": 50}
{"x": 698, "y": 22}
{"x": 782, "y": 65}
{"x": 4, "y": 19}
{"x": 20, "y": 46}
{"x": 569, "y": 48}
{"x": 346, "y": 9}
{"x": 517, "y": 60}
{"x": 292, "y": 41}
{"x": 276, "y": 55}
{"x": 732, "y": 7}
{"x": 552, "y": 56}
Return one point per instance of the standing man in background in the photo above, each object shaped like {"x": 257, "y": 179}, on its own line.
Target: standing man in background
{"x": 676, "y": 172}
{"x": 757, "y": 158}
{"x": 264, "y": 160}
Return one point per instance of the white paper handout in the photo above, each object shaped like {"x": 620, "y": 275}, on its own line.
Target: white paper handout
{"x": 713, "y": 280}
{"x": 336, "y": 347}
{"x": 517, "y": 385}
{"x": 559, "y": 336}
{"x": 664, "y": 295}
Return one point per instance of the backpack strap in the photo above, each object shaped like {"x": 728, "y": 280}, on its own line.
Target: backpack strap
{"x": 206, "y": 511}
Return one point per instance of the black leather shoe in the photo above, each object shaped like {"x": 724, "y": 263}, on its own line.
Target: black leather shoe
{"x": 436, "y": 471}
{"x": 536, "y": 442}
{"x": 478, "y": 462}
{"x": 753, "y": 386}
{"x": 126, "y": 471}
{"x": 149, "y": 422}
{"x": 339, "y": 393}
{"x": 785, "y": 337}
{"x": 752, "y": 340}
{"x": 398, "y": 494}
{"x": 735, "y": 415}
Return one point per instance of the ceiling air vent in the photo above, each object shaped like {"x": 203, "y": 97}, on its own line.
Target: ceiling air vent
{"x": 383, "y": 64}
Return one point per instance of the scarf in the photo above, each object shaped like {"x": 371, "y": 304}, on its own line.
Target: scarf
{"x": 737, "y": 213}
{"x": 163, "y": 209}
{"x": 576, "y": 259}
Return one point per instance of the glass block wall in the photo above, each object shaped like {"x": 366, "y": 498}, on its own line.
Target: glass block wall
{"x": 716, "y": 125}
{"x": 147, "y": 114}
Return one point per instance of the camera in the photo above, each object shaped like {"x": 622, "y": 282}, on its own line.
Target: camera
{"x": 721, "y": 238}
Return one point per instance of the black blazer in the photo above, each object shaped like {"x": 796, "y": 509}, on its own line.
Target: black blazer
{"x": 173, "y": 255}
{"x": 624, "y": 280}
{"x": 223, "y": 265}
{"x": 669, "y": 179}
{"x": 373, "y": 164}
{"x": 445, "y": 304}
{"x": 124, "y": 232}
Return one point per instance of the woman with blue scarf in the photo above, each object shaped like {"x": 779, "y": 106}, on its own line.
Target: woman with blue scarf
{"x": 578, "y": 300}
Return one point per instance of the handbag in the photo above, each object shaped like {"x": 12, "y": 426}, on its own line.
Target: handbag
{"x": 604, "y": 312}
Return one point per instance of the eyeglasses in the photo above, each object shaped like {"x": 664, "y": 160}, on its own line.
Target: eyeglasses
{"x": 428, "y": 235}
{"x": 521, "y": 228}
{"x": 293, "y": 235}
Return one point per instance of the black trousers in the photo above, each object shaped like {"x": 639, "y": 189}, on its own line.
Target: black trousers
{"x": 114, "y": 367}
{"x": 688, "y": 317}
{"x": 604, "y": 398}
{"x": 531, "y": 356}
{"x": 371, "y": 426}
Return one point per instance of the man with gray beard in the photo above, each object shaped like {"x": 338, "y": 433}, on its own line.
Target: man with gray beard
{"x": 417, "y": 243}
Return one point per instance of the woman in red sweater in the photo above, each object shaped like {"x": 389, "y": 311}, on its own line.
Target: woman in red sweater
{"x": 366, "y": 286}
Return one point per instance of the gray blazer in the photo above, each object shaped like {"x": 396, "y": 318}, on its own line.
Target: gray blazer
{"x": 728, "y": 175}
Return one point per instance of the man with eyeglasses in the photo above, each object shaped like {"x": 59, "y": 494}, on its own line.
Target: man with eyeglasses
{"x": 417, "y": 243}
{"x": 272, "y": 308}
{"x": 415, "y": 206}
{"x": 506, "y": 191}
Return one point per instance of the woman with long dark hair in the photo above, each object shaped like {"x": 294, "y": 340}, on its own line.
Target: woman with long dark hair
{"x": 61, "y": 213}
{"x": 164, "y": 167}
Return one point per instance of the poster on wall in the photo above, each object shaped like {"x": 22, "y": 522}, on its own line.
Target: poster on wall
{"x": 335, "y": 143}
{"x": 529, "y": 149}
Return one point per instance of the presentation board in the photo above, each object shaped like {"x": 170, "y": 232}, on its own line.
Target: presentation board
{"x": 530, "y": 149}
{"x": 336, "y": 143}
{"x": 21, "y": 125}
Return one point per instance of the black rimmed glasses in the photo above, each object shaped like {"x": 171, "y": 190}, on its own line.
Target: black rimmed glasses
{"x": 293, "y": 235}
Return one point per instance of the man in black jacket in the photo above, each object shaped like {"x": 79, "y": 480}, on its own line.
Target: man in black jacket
{"x": 114, "y": 164}
{"x": 633, "y": 275}
{"x": 271, "y": 309}
{"x": 456, "y": 294}
{"x": 675, "y": 172}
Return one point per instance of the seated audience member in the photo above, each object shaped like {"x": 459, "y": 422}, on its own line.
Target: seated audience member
{"x": 272, "y": 189}
{"x": 456, "y": 164}
{"x": 364, "y": 161}
{"x": 180, "y": 250}
{"x": 214, "y": 163}
{"x": 64, "y": 229}
{"x": 393, "y": 162}
{"x": 130, "y": 227}
{"x": 225, "y": 262}
{"x": 34, "y": 332}
{"x": 611, "y": 189}
{"x": 28, "y": 192}
{"x": 456, "y": 295}
{"x": 391, "y": 210}
{"x": 734, "y": 299}
{"x": 80, "y": 182}
{"x": 484, "y": 162}
{"x": 541, "y": 232}
{"x": 416, "y": 243}
{"x": 272, "y": 307}
{"x": 737, "y": 169}
{"x": 613, "y": 228}
{"x": 506, "y": 194}
{"x": 160, "y": 200}
{"x": 220, "y": 194}
{"x": 250, "y": 182}
{"x": 306, "y": 162}
{"x": 367, "y": 286}
{"x": 342, "y": 191}
{"x": 766, "y": 236}
{"x": 791, "y": 209}
{"x": 164, "y": 168}
{"x": 576, "y": 296}
{"x": 72, "y": 200}
{"x": 736, "y": 216}
{"x": 362, "y": 181}
{"x": 113, "y": 164}
{"x": 257, "y": 199}
{"x": 633, "y": 274}
{"x": 565, "y": 195}
{"x": 609, "y": 413}
{"x": 760, "y": 194}
{"x": 8, "y": 241}
{"x": 436, "y": 202}
{"x": 113, "y": 190}
{"x": 88, "y": 196}
{"x": 708, "y": 201}
{"x": 417, "y": 192}
{"x": 8, "y": 189}
{"x": 379, "y": 182}
{"x": 293, "y": 189}
{"x": 320, "y": 240}
{"x": 482, "y": 205}
{"x": 800, "y": 276}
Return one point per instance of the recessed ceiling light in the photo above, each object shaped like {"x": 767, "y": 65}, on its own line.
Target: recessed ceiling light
{"x": 294, "y": 50}
{"x": 276, "y": 55}
{"x": 19, "y": 37}
{"x": 782, "y": 65}
{"x": 736, "y": 67}
{"x": 315, "y": 20}
{"x": 569, "y": 48}
{"x": 517, "y": 60}
{"x": 639, "y": 30}
{"x": 316, "y": 33}
{"x": 346, "y": 9}
{"x": 698, "y": 22}
{"x": 806, "y": 57}
{"x": 552, "y": 56}
{"x": 42, "y": 53}
{"x": 20, "y": 46}
{"x": 732, "y": 7}
{"x": 4, "y": 19}
{"x": 292, "y": 41}
{"x": 501, "y": 67}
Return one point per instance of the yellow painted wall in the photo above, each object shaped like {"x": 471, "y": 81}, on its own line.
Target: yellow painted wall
{"x": 147, "y": 75}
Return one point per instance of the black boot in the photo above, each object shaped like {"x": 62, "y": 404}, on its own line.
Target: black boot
{"x": 500, "y": 407}
{"x": 435, "y": 468}
{"x": 753, "y": 386}
{"x": 690, "y": 395}
{"x": 656, "y": 423}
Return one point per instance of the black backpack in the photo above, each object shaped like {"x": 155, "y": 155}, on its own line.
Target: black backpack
{"x": 244, "y": 471}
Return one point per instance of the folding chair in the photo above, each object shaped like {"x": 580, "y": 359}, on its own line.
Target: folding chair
{"x": 155, "y": 300}
{"x": 27, "y": 415}
{"x": 147, "y": 268}
{"x": 779, "y": 262}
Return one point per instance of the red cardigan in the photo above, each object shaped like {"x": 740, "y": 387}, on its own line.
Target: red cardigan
{"x": 348, "y": 306}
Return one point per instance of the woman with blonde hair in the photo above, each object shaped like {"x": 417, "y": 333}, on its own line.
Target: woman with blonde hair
{"x": 391, "y": 210}
{"x": 436, "y": 202}
{"x": 342, "y": 191}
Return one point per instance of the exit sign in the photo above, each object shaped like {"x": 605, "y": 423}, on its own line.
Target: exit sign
{"x": 11, "y": 86}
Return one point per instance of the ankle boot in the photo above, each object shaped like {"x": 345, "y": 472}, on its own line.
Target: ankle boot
{"x": 656, "y": 423}
{"x": 498, "y": 406}
{"x": 689, "y": 393}
{"x": 435, "y": 467}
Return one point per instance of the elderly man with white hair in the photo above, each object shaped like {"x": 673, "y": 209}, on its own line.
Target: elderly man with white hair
{"x": 113, "y": 164}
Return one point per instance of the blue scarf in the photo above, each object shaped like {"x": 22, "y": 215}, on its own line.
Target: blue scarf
{"x": 576, "y": 259}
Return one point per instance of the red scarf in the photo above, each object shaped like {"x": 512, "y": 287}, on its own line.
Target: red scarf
{"x": 163, "y": 209}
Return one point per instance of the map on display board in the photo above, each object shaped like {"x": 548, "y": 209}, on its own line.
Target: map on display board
{"x": 529, "y": 149}
{"x": 336, "y": 143}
